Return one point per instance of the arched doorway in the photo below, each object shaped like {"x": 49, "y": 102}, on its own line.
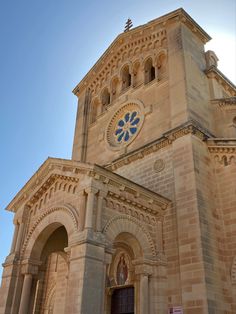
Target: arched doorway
{"x": 50, "y": 294}
{"x": 122, "y": 286}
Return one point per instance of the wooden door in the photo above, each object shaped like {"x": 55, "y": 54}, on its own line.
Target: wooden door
{"x": 122, "y": 301}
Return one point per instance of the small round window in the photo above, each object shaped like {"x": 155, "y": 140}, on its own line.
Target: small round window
{"x": 124, "y": 126}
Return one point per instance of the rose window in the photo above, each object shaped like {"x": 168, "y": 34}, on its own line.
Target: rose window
{"x": 125, "y": 125}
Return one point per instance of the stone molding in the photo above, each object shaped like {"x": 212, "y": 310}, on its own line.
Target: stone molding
{"x": 135, "y": 206}
{"x": 99, "y": 175}
{"x": 190, "y": 127}
{"x": 214, "y": 73}
{"x": 133, "y": 226}
{"x": 227, "y": 103}
{"x": 223, "y": 150}
{"x": 64, "y": 208}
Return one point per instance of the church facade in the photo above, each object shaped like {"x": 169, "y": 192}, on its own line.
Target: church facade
{"x": 142, "y": 219}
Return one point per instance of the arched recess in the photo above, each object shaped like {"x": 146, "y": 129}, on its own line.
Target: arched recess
{"x": 95, "y": 110}
{"x": 124, "y": 224}
{"x": 105, "y": 98}
{"x": 137, "y": 73}
{"x": 149, "y": 70}
{"x": 45, "y": 225}
{"x": 114, "y": 87}
{"x": 162, "y": 64}
{"x": 126, "y": 76}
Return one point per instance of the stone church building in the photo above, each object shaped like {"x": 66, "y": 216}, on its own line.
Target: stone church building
{"x": 142, "y": 219}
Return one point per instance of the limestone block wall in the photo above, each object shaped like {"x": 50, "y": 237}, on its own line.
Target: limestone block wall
{"x": 155, "y": 171}
{"x": 197, "y": 88}
{"x": 212, "y": 230}
{"x": 188, "y": 179}
{"x": 225, "y": 174}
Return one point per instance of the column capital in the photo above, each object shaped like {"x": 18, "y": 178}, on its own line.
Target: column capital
{"x": 91, "y": 189}
{"x": 30, "y": 267}
{"x": 143, "y": 268}
{"x": 102, "y": 193}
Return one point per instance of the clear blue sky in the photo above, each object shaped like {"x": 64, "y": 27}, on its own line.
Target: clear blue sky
{"x": 46, "y": 49}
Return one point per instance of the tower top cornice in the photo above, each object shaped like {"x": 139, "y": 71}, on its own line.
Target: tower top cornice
{"x": 122, "y": 42}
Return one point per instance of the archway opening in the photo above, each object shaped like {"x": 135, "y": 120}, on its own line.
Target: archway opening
{"x": 121, "y": 280}
{"x": 51, "y": 283}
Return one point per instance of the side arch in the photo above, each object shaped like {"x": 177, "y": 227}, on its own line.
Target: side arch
{"x": 48, "y": 222}
{"x": 128, "y": 224}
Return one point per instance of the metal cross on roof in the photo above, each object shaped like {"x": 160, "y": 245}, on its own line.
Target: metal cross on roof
{"x": 128, "y": 25}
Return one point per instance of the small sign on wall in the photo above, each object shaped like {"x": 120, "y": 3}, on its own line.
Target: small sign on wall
{"x": 176, "y": 310}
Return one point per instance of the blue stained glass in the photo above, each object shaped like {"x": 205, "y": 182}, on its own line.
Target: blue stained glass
{"x": 126, "y": 136}
{"x": 120, "y": 137}
{"x": 127, "y": 126}
{"x": 134, "y": 114}
{"x": 133, "y": 130}
{"x": 118, "y": 131}
{"x": 121, "y": 123}
{"x": 136, "y": 121}
{"x": 127, "y": 117}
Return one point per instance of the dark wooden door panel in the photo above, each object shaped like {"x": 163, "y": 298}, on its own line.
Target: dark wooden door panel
{"x": 123, "y": 301}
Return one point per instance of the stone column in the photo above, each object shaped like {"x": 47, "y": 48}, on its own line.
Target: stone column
{"x": 25, "y": 295}
{"x": 101, "y": 196}
{"x": 82, "y": 203}
{"x": 156, "y": 70}
{"x": 14, "y": 238}
{"x": 160, "y": 235}
{"x": 89, "y": 207}
{"x": 19, "y": 237}
{"x": 144, "y": 294}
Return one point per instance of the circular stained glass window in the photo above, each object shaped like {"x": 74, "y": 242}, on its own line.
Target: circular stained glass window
{"x": 125, "y": 125}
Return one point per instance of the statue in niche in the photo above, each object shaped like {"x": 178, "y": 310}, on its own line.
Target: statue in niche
{"x": 122, "y": 271}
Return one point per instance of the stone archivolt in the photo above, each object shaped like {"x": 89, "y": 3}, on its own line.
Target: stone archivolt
{"x": 124, "y": 223}
{"x": 73, "y": 216}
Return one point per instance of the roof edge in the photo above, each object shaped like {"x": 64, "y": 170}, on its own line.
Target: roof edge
{"x": 161, "y": 19}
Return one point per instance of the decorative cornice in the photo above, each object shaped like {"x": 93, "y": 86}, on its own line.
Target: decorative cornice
{"x": 69, "y": 170}
{"x": 222, "y": 145}
{"x": 147, "y": 206}
{"x": 227, "y": 103}
{"x": 47, "y": 184}
{"x": 214, "y": 72}
{"x": 190, "y": 127}
{"x": 222, "y": 150}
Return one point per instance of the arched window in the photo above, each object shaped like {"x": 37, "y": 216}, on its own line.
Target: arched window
{"x": 114, "y": 87}
{"x": 126, "y": 77}
{"x": 105, "y": 98}
{"x": 149, "y": 71}
{"x": 138, "y": 78}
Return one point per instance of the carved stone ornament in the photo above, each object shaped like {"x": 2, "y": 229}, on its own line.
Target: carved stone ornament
{"x": 159, "y": 165}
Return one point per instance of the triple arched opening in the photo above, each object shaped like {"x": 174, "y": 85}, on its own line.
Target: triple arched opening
{"x": 130, "y": 75}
